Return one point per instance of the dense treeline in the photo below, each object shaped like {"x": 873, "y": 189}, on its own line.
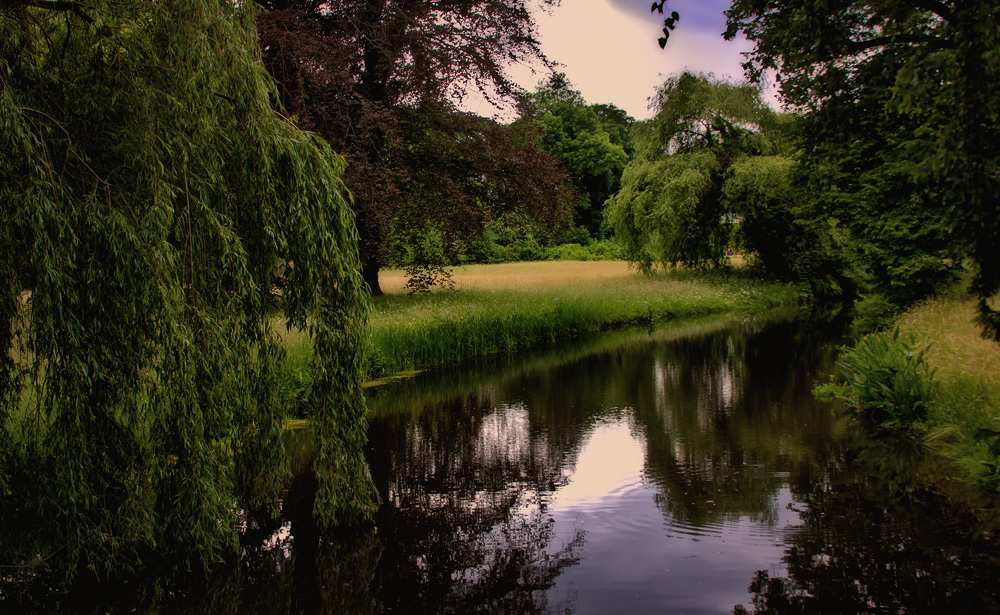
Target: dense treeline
{"x": 885, "y": 185}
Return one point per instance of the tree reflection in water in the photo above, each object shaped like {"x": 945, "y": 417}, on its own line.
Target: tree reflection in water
{"x": 879, "y": 536}
{"x": 464, "y": 484}
{"x": 481, "y": 474}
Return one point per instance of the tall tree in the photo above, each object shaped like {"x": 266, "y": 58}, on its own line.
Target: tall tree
{"x": 347, "y": 68}
{"x": 151, "y": 196}
{"x": 939, "y": 56}
{"x": 591, "y": 140}
{"x": 672, "y": 206}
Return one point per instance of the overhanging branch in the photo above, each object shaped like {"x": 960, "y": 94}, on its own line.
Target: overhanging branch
{"x": 896, "y": 39}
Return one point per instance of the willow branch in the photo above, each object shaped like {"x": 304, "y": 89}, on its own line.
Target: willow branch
{"x": 50, "y": 5}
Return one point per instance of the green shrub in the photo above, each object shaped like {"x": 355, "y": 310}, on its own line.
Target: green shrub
{"x": 568, "y": 252}
{"x": 595, "y": 251}
{"x": 872, "y": 311}
{"x": 888, "y": 381}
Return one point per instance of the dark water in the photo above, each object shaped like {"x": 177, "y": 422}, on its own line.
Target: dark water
{"x": 680, "y": 471}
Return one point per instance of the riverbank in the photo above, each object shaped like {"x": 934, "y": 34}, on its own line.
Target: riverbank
{"x": 963, "y": 419}
{"x": 515, "y": 306}
{"x": 932, "y": 379}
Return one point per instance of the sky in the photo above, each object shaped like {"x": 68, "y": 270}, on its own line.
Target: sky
{"x": 609, "y": 51}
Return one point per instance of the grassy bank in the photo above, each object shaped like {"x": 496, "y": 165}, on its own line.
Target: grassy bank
{"x": 507, "y": 307}
{"x": 963, "y": 419}
{"x": 932, "y": 378}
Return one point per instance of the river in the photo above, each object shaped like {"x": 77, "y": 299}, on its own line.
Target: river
{"x": 682, "y": 470}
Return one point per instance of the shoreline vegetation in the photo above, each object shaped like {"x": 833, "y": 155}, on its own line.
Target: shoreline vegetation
{"x": 516, "y": 306}
{"x": 931, "y": 378}
{"x": 963, "y": 418}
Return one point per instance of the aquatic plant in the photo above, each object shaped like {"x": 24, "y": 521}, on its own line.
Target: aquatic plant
{"x": 888, "y": 382}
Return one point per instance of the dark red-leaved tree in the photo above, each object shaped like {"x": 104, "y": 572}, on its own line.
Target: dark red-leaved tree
{"x": 350, "y": 69}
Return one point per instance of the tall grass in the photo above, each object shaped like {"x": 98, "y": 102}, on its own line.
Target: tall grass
{"x": 508, "y": 307}
{"x": 964, "y": 416}
{"x": 936, "y": 378}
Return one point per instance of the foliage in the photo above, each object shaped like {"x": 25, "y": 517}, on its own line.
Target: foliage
{"x": 899, "y": 231}
{"x": 509, "y": 238}
{"x": 361, "y": 72}
{"x": 672, "y": 207}
{"x": 592, "y": 141}
{"x": 471, "y": 177}
{"x": 902, "y": 89}
{"x": 593, "y": 251}
{"x": 151, "y": 198}
{"x": 665, "y": 211}
{"x": 889, "y": 383}
{"x": 761, "y": 189}
{"x": 965, "y": 414}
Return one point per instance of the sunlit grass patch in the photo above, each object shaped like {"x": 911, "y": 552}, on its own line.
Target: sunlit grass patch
{"x": 958, "y": 350}
{"x": 506, "y": 307}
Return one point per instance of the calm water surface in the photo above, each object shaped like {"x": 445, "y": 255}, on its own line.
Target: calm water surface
{"x": 679, "y": 471}
{"x": 652, "y": 475}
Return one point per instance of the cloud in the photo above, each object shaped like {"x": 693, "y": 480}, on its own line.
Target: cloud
{"x": 609, "y": 50}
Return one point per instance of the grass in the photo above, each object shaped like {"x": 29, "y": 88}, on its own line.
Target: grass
{"x": 964, "y": 418}
{"x": 513, "y": 306}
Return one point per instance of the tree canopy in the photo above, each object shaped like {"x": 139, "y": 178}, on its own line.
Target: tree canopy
{"x": 151, "y": 198}
{"x": 351, "y": 70}
{"x": 677, "y": 203}
{"x": 919, "y": 77}
{"x": 592, "y": 141}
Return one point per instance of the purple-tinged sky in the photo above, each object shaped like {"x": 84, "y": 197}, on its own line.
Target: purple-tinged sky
{"x": 608, "y": 49}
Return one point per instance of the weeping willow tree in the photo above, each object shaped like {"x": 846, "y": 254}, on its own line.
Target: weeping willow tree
{"x": 671, "y": 207}
{"x": 150, "y": 197}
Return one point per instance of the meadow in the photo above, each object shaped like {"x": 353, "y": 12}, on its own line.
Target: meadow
{"x": 513, "y": 306}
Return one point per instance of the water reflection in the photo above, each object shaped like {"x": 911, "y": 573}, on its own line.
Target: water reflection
{"x": 662, "y": 472}
{"x": 879, "y": 541}
{"x": 611, "y": 466}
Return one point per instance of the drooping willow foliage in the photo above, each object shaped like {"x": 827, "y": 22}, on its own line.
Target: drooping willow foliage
{"x": 149, "y": 197}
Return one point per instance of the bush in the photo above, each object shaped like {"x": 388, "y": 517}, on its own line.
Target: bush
{"x": 888, "y": 382}
{"x": 595, "y": 251}
{"x": 872, "y": 311}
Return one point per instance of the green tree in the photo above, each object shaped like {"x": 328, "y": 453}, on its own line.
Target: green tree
{"x": 672, "y": 207}
{"x": 929, "y": 68}
{"x": 591, "y": 140}
{"x": 151, "y": 198}
{"x": 468, "y": 174}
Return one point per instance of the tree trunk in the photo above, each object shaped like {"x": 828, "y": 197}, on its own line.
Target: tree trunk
{"x": 369, "y": 271}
